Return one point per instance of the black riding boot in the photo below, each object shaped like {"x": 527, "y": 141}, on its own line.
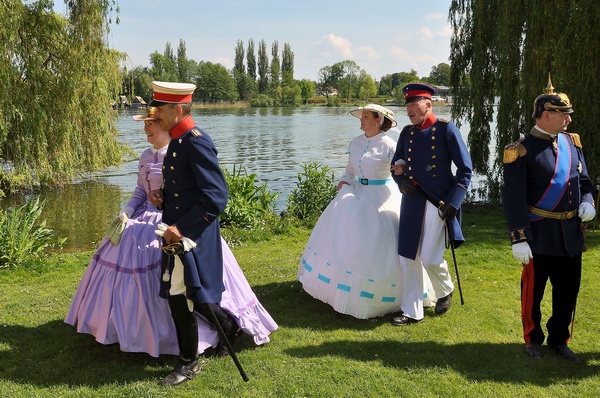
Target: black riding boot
{"x": 187, "y": 339}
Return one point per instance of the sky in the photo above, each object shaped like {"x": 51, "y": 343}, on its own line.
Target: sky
{"x": 381, "y": 36}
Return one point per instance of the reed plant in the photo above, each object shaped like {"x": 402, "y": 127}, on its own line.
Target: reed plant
{"x": 249, "y": 203}
{"x": 314, "y": 190}
{"x": 475, "y": 350}
{"x": 24, "y": 238}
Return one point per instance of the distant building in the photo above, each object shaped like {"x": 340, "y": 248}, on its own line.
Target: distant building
{"x": 444, "y": 93}
{"x": 138, "y": 102}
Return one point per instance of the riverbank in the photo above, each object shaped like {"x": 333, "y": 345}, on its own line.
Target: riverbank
{"x": 316, "y": 101}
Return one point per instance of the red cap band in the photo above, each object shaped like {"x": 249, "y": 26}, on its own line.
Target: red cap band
{"x": 172, "y": 98}
{"x": 417, "y": 93}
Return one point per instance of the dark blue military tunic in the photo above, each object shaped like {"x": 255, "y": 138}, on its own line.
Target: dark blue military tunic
{"x": 195, "y": 194}
{"x": 530, "y": 172}
{"x": 429, "y": 155}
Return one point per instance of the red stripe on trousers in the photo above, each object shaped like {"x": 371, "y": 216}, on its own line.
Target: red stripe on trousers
{"x": 527, "y": 285}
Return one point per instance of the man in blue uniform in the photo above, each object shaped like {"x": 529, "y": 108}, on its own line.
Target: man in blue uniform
{"x": 431, "y": 201}
{"x": 547, "y": 195}
{"x": 193, "y": 194}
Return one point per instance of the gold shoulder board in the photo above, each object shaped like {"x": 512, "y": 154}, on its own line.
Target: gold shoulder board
{"x": 444, "y": 120}
{"x": 514, "y": 151}
{"x": 576, "y": 139}
{"x": 196, "y": 132}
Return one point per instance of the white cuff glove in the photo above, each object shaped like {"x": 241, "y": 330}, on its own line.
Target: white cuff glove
{"x": 188, "y": 244}
{"x": 522, "y": 252}
{"x": 125, "y": 213}
{"x": 586, "y": 212}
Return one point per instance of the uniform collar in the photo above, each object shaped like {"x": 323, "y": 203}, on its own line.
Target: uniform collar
{"x": 182, "y": 127}
{"x": 536, "y": 131}
{"x": 431, "y": 119}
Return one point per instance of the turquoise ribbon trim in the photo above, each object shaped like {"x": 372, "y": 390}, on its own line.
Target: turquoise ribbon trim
{"x": 366, "y": 181}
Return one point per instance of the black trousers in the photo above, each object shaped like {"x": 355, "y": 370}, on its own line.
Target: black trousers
{"x": 186, "y": 327}
{"x": 564, "y": 274}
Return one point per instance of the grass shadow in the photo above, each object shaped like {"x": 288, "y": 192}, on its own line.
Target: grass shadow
{"x": 55, "y": 354}
{"x": 503, "y": 362}
{"x": 292, "y": 307}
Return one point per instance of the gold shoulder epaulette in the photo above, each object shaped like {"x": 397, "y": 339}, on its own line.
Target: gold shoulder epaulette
{"x": 514, "y": 151}
{"x": 444, "y": 120}
{"x": 196, "y": 132}
{"x": 576, "y": 139}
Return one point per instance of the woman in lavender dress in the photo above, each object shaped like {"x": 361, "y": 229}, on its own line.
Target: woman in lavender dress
{"x": 117, "y": 299}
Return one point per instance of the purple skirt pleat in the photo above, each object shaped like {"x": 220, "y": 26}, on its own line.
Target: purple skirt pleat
{"x": 117, "y": 299}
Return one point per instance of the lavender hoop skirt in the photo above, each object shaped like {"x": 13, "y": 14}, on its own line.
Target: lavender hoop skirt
{"x": 117, "y": 299}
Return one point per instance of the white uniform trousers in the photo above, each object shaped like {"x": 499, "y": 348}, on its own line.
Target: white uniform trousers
{"x": 430, "y": 255}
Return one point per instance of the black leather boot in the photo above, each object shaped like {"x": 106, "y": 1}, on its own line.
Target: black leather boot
{"x": 184, "y": 371}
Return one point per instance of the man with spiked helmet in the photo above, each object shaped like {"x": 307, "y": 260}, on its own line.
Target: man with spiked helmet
{"x": 547, "y": 198}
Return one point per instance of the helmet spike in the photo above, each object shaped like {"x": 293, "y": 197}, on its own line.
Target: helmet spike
{"x": 549, "y": 88}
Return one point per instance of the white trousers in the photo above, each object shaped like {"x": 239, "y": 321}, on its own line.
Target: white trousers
{"x": 430, "y": 256}
{"x": 178, "y": 282}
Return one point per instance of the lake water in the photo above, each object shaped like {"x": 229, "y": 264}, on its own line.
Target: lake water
{"x": 272, "y": 143}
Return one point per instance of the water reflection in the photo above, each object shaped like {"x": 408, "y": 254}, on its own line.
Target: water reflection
{"x": 80, "y": 212}
{"x": 272, "y": 143}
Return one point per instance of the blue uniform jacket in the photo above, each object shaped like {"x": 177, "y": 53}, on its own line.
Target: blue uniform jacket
{"x": 529, "y": 167}
{"x": 429, "y": 155}
{"x": 195, "y": 194}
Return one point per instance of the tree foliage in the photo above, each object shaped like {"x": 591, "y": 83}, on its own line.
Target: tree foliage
{"x": 348, "y": 79}
{"x": 57, "y": 82}
{"x": 275, "y": 65}
{"x": 504, "y": 50}
{"x": 263, "y": 68}
{"x": 287, "y": 62}
{"x": 251, "y": 60}
{"x": 390, "y": 84}
{"x": 440, "y": 75}
{"x": 214, "y": 84}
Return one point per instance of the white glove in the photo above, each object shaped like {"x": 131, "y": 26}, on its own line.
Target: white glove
{"x": 188, "y": 244}
{"x": 125, "y": 213}
{"x": 586, "y": 211}
{"x": 522, "y": 252}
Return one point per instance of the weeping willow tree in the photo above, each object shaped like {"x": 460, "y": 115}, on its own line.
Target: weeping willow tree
{"x": 502, "y": 52}
{"x": 57, "y": 81}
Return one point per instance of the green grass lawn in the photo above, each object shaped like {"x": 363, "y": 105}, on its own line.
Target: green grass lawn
{"x": 475, "y": 350}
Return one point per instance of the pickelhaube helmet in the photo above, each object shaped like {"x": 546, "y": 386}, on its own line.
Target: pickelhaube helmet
{"x": 551, "y": 101}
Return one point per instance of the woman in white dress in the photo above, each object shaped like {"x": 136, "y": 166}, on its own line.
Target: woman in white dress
{"x": 351, "y": 260}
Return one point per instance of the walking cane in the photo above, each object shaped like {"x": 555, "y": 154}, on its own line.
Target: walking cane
{"x": 227, "y": 344}
{"x": 176, "y": 248}
{"x": 450, "y": 237}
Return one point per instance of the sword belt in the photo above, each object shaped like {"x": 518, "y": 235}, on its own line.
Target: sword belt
{"x": 556, "y": 215}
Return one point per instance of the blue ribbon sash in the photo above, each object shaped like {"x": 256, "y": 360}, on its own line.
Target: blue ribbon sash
{"x": 558, "y": 183}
